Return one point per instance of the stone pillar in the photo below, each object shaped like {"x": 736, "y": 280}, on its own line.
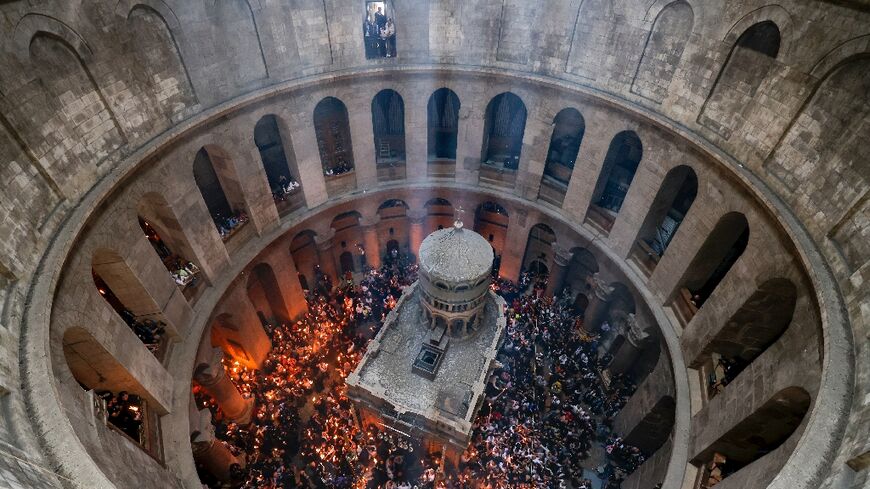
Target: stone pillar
{"x": 237, "y": 320}
{"x": 325, "y": 258}
{"x": 288, "y": 279}
{"x": 371, "y": 241}
{"x": 515, "y": 245}
{"x": 636, "y": 339}
{"x": 415, "y": 234}
{"x": 558, "y": 269}
{"x": 210, "y": 374}
{"x": 599, "y": 302}
{"x": 208, "y": 451}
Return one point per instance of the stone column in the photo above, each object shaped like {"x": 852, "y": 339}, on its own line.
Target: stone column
{"x": 558, "y": 268}
{"x": 515, "y": 245}
{"x": 210, "y": 374}
{"x": 208, "y": 450}
{"x": 325, "y": 255}
{"x": 371, "y": 241}
{"x": 288, "y": 279}
{"x": 637, "y": 337}
{"x": 599, "y": 302}
{"x": 415, "y": 233}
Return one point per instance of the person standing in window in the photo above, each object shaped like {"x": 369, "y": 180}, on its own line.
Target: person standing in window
{"x": 381, "y": 23}
{"x": 389, "y": 37}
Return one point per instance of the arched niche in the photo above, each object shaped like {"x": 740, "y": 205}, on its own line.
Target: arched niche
{"x": 720, "y": 251}
{"x": 614, "y": 180}
{"x": 568, "y": 129}
{"x": 279, "y": 162}
{"x": 332, "y": 130}
{"x": 264, "y": 293}
{"x": 504, "y": 128}
{"x": 748, "y": 64}
{"x": 442, "y": 132}
{"x": 672, "y": 202}
{"x": 388, "y": 127}
{"x": 539, "y": 247}
{"x": 220, "y": 187}
{"x": 663, "y": 51}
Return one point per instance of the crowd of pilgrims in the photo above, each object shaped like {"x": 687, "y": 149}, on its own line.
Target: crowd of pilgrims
{"x": 546, "y": 410}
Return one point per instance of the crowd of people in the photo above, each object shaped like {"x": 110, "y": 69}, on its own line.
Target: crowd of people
{"x": 285, "y": 188}
{"x": 227, "y": 225}
{"x": 125, "y": 412}
{"x": 546, "y": 420}
{"x": 380, "y": 35}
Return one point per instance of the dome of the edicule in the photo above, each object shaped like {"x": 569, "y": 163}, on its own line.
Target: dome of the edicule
{"x": 455, "y": 255}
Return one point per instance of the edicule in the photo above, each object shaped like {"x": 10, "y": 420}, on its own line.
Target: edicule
{"x": 425, "y": 372}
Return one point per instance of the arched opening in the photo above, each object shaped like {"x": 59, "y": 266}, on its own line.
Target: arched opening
{"x": 748, "y": 64}
{"x": 303, "y": 249}
{"x": 753, "y": 439}
{"x": 504, "y": 127}
{"x": 388, "y": 126}
{"x": 121, "y": 289}
{"x": 581, "y": 267}
{"x": 160, "y": 225}
{"x": 227, "y": 334}
{"x": 279, "y": 162}
{"x": 439, "y": 214}
{"x": 491, "y": 221}
{"x": 669, "y": 208}
{"x": 265, "y": 295}
{"x": 614, "y": 180}
{"x": 379, "y": 30}
{"x": 393, "y": 224}
{"x": 122, "y": 403}
{"x": 655, "y": 428}
{"x": 443, "y": 132}
{"x": 347, "y": 235}
{"x": 568, "y": 130}
{"x": 221, "y": 190}
{"x": 720, "y": 251}
{"x": 332, "y": 129}
{"x": 539, "y": 247}
{"x": 757, "y": 325}
{"x": 348, "y": 265}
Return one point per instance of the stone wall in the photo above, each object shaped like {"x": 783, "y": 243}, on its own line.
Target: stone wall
{"x": 88, "y": 86}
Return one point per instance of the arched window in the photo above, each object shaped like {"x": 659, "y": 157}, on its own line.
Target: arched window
{"x": 614, "y": 180}
{"x": 332, "y": 129}
{"x": 166, "y": 234}
{"x": 673, "y": 200}
{"x": 303, "y": 249}
{"x": 121, "y": 289}
{"x": 720, "y": 251}
{"x": 97, "y": 369}
{"x": 568, "y": 130}
{"x": 505, "y": 125}
{"x": 388, "y": 126}
{"x": 748, "y": 64}
{"x": 491, "y": 219}
{"x": 220, "y": 187}
{"x": 443, "y": 132}
{"x": 754, "y": 438}
{"x": 750, "y": 331}
{"x": 279, "y": 162}
{"x": 539, "y": 247}
{"x": 379, "y": 30}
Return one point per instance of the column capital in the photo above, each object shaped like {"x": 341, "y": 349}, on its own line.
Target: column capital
{"x": 599, "y": 286}
{"x": 636, "y": 333}
{"x": 561, "y": 255}
{"x": 417, "y": 216}
{"x": 210, "y": 369}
